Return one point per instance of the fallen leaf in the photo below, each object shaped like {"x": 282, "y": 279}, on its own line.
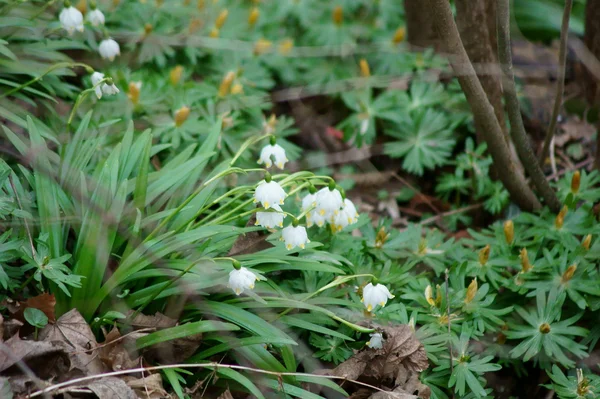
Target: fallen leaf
{"x": 250, "y": 242}
{"x": 118, "y": 353}
{"x": 44, "y": 302}
{"x": 36, "y": 355}
{"x": 149, "y": 387}
{"x": 173, "y": 351}
{"x": 157, "y": 321}
{"x": 72, "y": 329}
{"x": 10, "y": 327}
{"x": 225, "y": 395}
{"x": 111, "y": 388}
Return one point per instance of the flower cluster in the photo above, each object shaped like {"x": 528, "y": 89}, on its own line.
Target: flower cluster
{"x": 71, "y": 20}
{"x": 100, "y": 88}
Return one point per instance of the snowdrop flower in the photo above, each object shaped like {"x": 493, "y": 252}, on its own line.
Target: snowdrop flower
{"x": 346, "y": 216}
{"x": 329, "y": 202}
{"x": 273, "y": 150}
{"x": 96, "y": 17}
{"x": 312, "y": 217}
{"x": 374, "y": 295}
{"x": 241, "y": 279}
{"x": 71, "y": 18}
{"x": 270, "y": 220}
{"x": 97, "y": 78}
{"x": 376, "y": 341}
{"x": 109, "y": 49}
{"x": 294, "y": 236}
{"x": 109, "y": 88}
{"x": 269, "y": 193}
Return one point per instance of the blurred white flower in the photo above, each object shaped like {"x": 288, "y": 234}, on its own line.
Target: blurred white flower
{"x": 269, "y": 194}
{"x": 273, "y": 150}
{"x": 294, "y": 237}
{"x": 314, "y": 217}
{"x": 374, "y": 295}
{"x": 109, "y": 49}
{"x": 364, "y": 126}
{"x": 96, "y": 17}
{"x": 242, "y": 279}
{"x": 376, "y": 341}
{"x": 329, "y": 203}
{"x": 347, "y": 215}
{"x": 97, "y": 78}
{"x": 270, "y": 220}
{"x": 109, "y": 89}
{"x": 71, "y": 19}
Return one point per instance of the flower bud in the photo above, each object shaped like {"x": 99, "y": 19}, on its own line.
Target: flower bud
{"x": 568, "y": 274}
{"x": 429, "y": 295}
{"x": 221, "y": 18}
{"x": 134, "y": 92}
{"x": 148, "y": 28}
{"x": 175, "y": 74}
{"x": 262, "y": 46}
{"x": 560, "y": 218}
{"x": 471, "y": 291}
{"x": 587, "y": 241}
{"x": 82, "y": 6}
{"x": 381, "y": 237}
{"x": 237, "y": 88}
{"x": 399, "y": 35}
{"x": 365, "y": 71}
{"x": 525, "y": 264}
{"x": 575, "y": 182}
{"x": 214, "y": 33}
{"x": 509, "y": 231}
{"x": 181, "y": 115}
{"x": 484, "y": 255}
{"x": 253, "y": 16}
{"x": 545, "y": 328}
{"x": 338, "y": 15}
{"x": 195, "y": 25}
{"x": 225, "y": 86}
{"x": 286, "y": 46}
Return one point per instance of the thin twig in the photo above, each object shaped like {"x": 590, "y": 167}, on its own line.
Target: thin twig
{"x": 449, "y": 330}
{"x": 202, "y": 365}
{"x": 450, "y": 213}
{"x": 12, "y": 185}
{"x": 560, "y": 83}
{"x": 513, "y": 108}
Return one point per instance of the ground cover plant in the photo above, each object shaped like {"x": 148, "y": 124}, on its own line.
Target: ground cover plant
{"x": 297, "y": 198}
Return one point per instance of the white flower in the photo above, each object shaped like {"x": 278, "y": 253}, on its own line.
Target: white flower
{"x": 109, "y": 89}
{"x": 312, "y": 217}
{"x": 376, "y": 341}
{"x": 71, "y": 19}
{"x": 294, "y": 237}
{"x": 269, "y": 194}
{"x": 329, "y": 203}
{"x": 242, "y": 279}
{"x": 277, "y": 152}
{"x": 364, "y": 126}
{"x": 346, "y": 216}
{"x": 109, "y": 49}
{"x": 97, "y": 78}
{"x": 374, "y": 295}
{"x": 96, "y": 17}
{"x": 270, "y": 220}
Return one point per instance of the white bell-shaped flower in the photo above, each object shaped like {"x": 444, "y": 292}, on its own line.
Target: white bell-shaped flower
{"x": 270, "y": 220}
{"x": 374, "y": 295}
{"x": 96, "y": 17}
{"x": 241, "y": 279}
{"x": 110, "y": 89}
{"x": 312, "y": 217}
{"x": 346, "y": 216}
{"x": 71, "y": 19}
{"x": 97, "y": 78}
{"x": 376, "y": 341}
{"x": 109, "y": 49}
{"x": 308, "y": 202}
{"x": 269, "y": 194}
{"x": 273, "y": 151}
{"x": 294, "y": 237}
{"x": 329, "y": 203}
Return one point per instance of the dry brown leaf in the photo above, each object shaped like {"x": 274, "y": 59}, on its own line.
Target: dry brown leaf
{"x": 574, "y": 129}
{"x": 111, "y": 388}
{"x": 34, "y": 354}
{"x": 44, "y": 302}
{"x": 250, "y": 242}
{"x": 149, "y": 387}
{"x": 157, "y": 321}
{"x": 225, "y": 395}
{"x": 72, "y": 329}
{"x": 11, "y": 327}
{"x": 118, "y": 353}
{"x": 173, "y": 351}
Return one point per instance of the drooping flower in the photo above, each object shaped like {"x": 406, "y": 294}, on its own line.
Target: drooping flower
{"x": 110, "y": 89}
{"x": 294, "y": 236}
{"x": 96, "y": 17}
{"x": 346, "y": 216}
{"x": 269, "y": 194}
{"x": 109, "y": 49}
{"x": 97, "y": 78}
{"x": 376, "y": 341}
{"x": 71, "y": 19}
{"x": 312, "y": 217}
{"x": 273, "y": 150}
{"x": 329, "y": 202}
{"x": 241, "y": 279}
{"x": 270, "y": 220}
{"x": 374, "y": 295}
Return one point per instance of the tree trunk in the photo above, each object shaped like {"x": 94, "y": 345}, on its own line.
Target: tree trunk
{"x": 590, "y": 84}
{"x": 419, "y": 24}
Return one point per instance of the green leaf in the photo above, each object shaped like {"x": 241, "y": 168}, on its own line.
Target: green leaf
{"x": 35, "y": 317}
{"x": 183, "y": 331}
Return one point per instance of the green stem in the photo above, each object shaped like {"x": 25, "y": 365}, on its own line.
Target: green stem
{"x": 245, "y": 145}
{"x": 22, "y": 287}
{"x": 49, "y": 70}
